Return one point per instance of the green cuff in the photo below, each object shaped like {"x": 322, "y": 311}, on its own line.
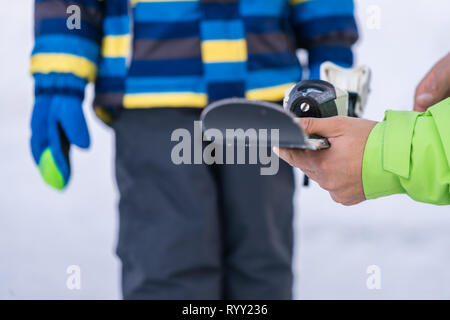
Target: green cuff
{"x": 440, "y": 116}
{"x": 397, "y": 141}
{"x": 377, "y": 182}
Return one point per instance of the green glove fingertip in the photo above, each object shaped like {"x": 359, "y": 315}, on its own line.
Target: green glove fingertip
{"x": 49, "y": 170}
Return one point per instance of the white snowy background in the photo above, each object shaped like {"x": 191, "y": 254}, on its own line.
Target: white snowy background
{"x": 42, "y": 231}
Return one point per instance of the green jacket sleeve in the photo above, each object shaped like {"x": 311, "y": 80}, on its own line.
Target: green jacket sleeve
{"x": 409, "y": 152}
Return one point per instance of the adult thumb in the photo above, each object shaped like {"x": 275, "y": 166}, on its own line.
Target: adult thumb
{"x": 434, "y": 87}
{"x": 325, "y": 127}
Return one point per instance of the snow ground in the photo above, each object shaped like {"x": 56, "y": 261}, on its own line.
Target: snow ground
{"x": 42, "y": 232}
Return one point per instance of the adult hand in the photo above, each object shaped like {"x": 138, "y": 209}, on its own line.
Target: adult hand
{"x": 337, "y": 169}
{"x": 434, "y": 87}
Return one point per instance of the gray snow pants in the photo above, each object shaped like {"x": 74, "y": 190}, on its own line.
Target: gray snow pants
{"x": 197, "y": 231}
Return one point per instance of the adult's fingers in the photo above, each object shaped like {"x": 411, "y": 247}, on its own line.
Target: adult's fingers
{"x": 434, "y": 87}
{"x": 296, "y": 157}
{"x": 326, "y": 127}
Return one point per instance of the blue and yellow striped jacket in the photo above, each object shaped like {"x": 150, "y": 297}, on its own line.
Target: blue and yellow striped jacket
{"x": 185, "y": 53}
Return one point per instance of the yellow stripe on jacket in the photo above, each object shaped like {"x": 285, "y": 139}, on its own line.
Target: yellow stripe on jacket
{"x": 295, "y": 2}
{"x": 275, "y": 93}
{"x": 167, "y": 99}
{"x": 224, "y": 51}
{"x": 115, "y": 46}
{"x": 135, "y": 2}
{"x": 63, "y": 63}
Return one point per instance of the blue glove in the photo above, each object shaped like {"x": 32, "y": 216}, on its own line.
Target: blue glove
{"x": 56, "y": 123}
